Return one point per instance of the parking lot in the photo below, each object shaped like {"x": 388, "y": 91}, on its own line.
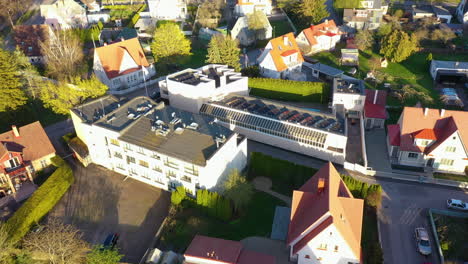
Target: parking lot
{"x": 101, "y": 202}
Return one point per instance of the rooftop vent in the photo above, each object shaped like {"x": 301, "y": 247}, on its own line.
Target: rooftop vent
{"x": 220, "y": 141}
{"x": 193, "y": 126}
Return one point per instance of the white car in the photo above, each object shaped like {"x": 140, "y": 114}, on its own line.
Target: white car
{"x": 457, "y": 204}
{"x": 422, "y": 241}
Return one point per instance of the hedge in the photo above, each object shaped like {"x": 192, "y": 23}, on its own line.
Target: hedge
{"x": 314, "y": 92}
{"x": 360, "y": 189}
{"x": 136, "y": 17}
{"x": 41, "y": 202}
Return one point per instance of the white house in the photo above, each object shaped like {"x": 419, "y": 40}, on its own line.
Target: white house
{"x": 190, "y": 88}
{"x": 368, "y": 16}
{"x": 281, "y": 58}
{"x": 64, "y": 14}
{"x": 244, "y": 7}
{"x": 462, "y": 11}
{"x": 435, "y": 139}
{"x": 157, "y": 144}
{"x": 122, "y": 65}
{"x": 326, "y": 221}
{"x": 246, "y": 36}
{"x": 351, "y": 94}
{"x": 319, "y": 37}
{"x": 168, "y": 9}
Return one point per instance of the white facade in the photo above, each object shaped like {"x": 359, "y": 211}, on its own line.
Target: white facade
{"x": 191, "y": 96}
{"x": 168, "y": 9}
{"x": 324, "y": 42}
{"x": 244, "y": 7}
{"x": 350, "y": 101}
{"x": 64, "y": 14}
{"x": 269, "y": 69}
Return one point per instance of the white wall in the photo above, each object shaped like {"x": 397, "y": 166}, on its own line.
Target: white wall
{"x": 167, "y": 9}
{"x": 354, "y": 102}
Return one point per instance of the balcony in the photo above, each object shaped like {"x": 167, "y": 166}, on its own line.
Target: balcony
{"x": 186, "y": 179}
{"x": 171, "y": 165}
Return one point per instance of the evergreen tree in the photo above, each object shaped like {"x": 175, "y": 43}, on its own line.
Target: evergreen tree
{"x": 398, "y": 45}
{"x": 316, "y": 10}
{"x": 224, "y": 50}
{"x": 11, "y": 94}
{"x": 169, "y": 44}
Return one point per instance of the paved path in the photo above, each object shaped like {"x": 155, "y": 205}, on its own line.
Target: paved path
{"x": 264, "y": 184}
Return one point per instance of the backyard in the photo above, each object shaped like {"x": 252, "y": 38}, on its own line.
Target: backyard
{"x": 452, "y": 233}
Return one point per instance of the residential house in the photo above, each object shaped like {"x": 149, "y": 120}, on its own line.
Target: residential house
{"x": 64, "y": 14}
{"x": 321, "y": 37}
{"x": 367, "y": 16}
{"x": 168, "y": 9}
{"x": 375, "y": 112}
{"x": 443, "y": 15}
{"x": 349, "y": 93}
{"x": 23, "y": 151}
{"x": 281, "y": 58}
{"x": 247, "y": 36}
{"x": 326, "y": 221}
{"x": 244, "y": 7}
{"x": 419, "y": 12}
{"x": 191, "y": 88}
{"x": 28, "y": 38}
{"x": 122, "y": 65}
{"x": 434, "y": 139}
{"x": 449, "y": 71}
{"x": 203, "y": 250}
{"x": 157, "y": 144}
{"x": 111, "y": 35}
{"x": 462, "y": 11}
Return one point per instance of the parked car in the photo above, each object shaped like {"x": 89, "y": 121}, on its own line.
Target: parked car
{"x": 422, "y": 241}
{"x": 457, "y": 204}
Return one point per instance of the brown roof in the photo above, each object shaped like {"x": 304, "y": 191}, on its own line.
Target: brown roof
{"x": 310, "y": 203}
{"x": 413, "y": 121}
{"x": 27, "y": 38}
{"x": 327, "y": 28}
{"x": 111, "y": 56}
{"x": 32, "y": 140}
{"x": 278, "y": 48}
{"x": 252, "y": 257}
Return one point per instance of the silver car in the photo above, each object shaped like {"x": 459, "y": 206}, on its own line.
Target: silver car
{"x": 422, "y": 241}
{"x": 457, "y": 204}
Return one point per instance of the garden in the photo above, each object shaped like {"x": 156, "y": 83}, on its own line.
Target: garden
{"x": 452, "y": 233}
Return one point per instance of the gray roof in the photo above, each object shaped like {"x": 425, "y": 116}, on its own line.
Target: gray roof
{"x": 422, "y": 10}
{"x": 323, "y": 68}
{"x": 351, "y": 86}
{"x": 441, "y": 11}
{"x": 450, "y": 64}
{"x": 94, "y": 110}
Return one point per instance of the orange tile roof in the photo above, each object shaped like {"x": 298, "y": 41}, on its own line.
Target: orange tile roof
{"x": 111, "y": 56}
{"x": 310, "y": 204}
{"x": 426, "y": 133}
{"x": 278, "y": 48}
{"x": 326, "y": 28}
{"x": 413, "y": 120}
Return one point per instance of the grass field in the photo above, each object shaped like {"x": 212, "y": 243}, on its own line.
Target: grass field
{"x": 280, "y": 27}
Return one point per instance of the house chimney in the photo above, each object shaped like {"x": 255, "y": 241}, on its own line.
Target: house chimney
{"x": 320, "y": 185}
{"x": 15, "y": 131}
{"x": 375, "y": 96}
{"x": 426, "y": 110}
{"x": 326, "y": 21}
{"x": 285, "y": 41}
{"x": 442, "y": 112}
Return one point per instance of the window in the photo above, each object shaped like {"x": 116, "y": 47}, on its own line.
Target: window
{"x": 12, "y": 163}
{"x": 127, "y": 147}
{"x": 130, "y": 160}
{"x": 450, "y": 149}
{"x": 424, "y": 143}
{"x": 114, "y": 142}
{"x": 171, "y": 174}
{"x": 307, "y": 256}
{"x": 336, "y": 248}
{"x": 171, "y": 164}
{"x": 117, "y": 155}
{"x": 191, "y": 170}
{"x": 322, "y": 246}
{"x": 357, "y": 102}
{"x": 155, "y": 156}
{"x": 186, "y": 178}
{"x": 43, "y": 163}
{"x": 413, "y": 155}
{"x": 446, "y": 162}
{"x": 143, "y": 163}
{"x": 120, "y": 166}
{"x": 157, "y": 168}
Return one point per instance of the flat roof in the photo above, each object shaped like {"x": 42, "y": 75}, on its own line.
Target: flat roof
{"x": 350, "y": 86}
{"x": 324, "y": 68}
{"x": 207, "y": 73}
{"x": 461, "y": 65}
{"x": 94, "y": 110}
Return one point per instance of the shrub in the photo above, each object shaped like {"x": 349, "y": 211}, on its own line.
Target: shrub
{"x": 316, "y": 92}
{"x": 178, "y": 195}
{"x": 214, "y": 204}
{"x": 251, "y": 71}
{"x": 58, "y": 162}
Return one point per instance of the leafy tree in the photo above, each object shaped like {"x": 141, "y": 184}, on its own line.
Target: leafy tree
{"x": 316, "y": 10}
{"x": 257, "y": 21}
{"x": 6, "y": 246}
{"x": 178, "y": 195}
{"x": 238, "y": 190}
{"x": 398, "y": 13}
{"x": 169, "y": 43}
{"x": 58, "y": 242}
{"x": 101, "y": 255}
{"x": 384, "y": 30}
{"x": 398, "y": 46}
{"x": 11, "y": 94}
{"x": 364, "y": 39}
{"x": 224, "y": 50}
{"x": 61, "y": 97}
{"x": 209, "y": 13}
{"x": 443, "y": 35}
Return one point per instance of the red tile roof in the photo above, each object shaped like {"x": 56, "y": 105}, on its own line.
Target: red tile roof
{"x": 278, "y": 47}
{"x": 28, "y": 37}
{"x": 111, "y": 56}
{"x": 251, "y": 257}
{"x": 310, "y": 204}
{"x": 327, "y": 28}
{"x": 376, "y": 110}
{"x": 426, "y": 133}
{"x": 33, "y": 142}
{"x": 394, "y": 134}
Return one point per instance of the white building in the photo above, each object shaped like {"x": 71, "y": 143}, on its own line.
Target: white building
{"x": 244, "y": 7}
{"x": 319, "y": 135}
{"x": 326, "y": 221}
{"x": 351, "y": 94}
{"x": 434, "y": 139}
{"x": 159, "y": 145}
{"x": 321, "y": 37}
{"x": 168, "y": 9}
{"x": 281, "y": 58}
{"x": 246, "y": 36}
{"x": 122, "y": 65}
{"x": 190, "y": 88}
{"x": 64, "y": 14}
{"x": 462, "y": 11}
{"x": 369, "y": 15}
{"x": 449, "y": 71}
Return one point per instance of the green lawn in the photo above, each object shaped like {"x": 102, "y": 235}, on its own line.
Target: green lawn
{"x": 452, "y": 233}
{"x": 256, "y": 220}
{"x": 453, "y": 177}
{"x": 280, "y": 27}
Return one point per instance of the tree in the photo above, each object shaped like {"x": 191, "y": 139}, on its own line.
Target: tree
{"x": 257, "y": 22}
{"x": 209, "y": 13}
{"x": 178, "y": 195}
{"x": 12, "y": 8}
{"x": 364, "y": 39}
{"x": 64, "y": 52}
{"x": 316, "y": 10}
{"x": 58, "y": 242}
{"x": 5, "y": 245}
{"x": 443, "y": 35}
{"x": 238, "y": 190}
{"x": 398, "y": 13}
{"x": 384, "y": 30}
{"x": 429, "y": 57}
{"x": 169, "y": 43}
{"x": 101, "y": 255}
{"x": 11, "y": 94}
{"x": 224, "y": 50}
{"x": 61, "y": 96}
{"x": 374, "y": 63}
{"x": 398, "y": 45}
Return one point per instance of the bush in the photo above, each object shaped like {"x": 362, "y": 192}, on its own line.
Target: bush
{"x": 315, "y": 92}
{"x": 58, "y": 162}
{"x": 178, "y": 195}
{"x": 251, "y": 71}
{"x": 214, "y": 204}
{"x": 41, "y": 202}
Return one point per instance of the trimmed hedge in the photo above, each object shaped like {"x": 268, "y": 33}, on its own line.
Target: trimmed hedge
{"x": 41, "y": 202}
{"x": 360, "y": 189}
{"x": 314, "y": 92}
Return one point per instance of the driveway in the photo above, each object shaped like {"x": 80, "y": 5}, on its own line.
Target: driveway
{"x": 102, "y": 202}
{"x": 376, "y": 148}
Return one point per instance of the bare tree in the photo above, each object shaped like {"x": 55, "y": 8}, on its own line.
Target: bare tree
{"x": 58, "y": 242}
{"x": 12, "y": 8}
{"x": 64, "y": 54}
{"x": 210, "y": 12}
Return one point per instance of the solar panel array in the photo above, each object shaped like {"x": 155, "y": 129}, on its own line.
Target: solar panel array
{"x": 187, "y": 78}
